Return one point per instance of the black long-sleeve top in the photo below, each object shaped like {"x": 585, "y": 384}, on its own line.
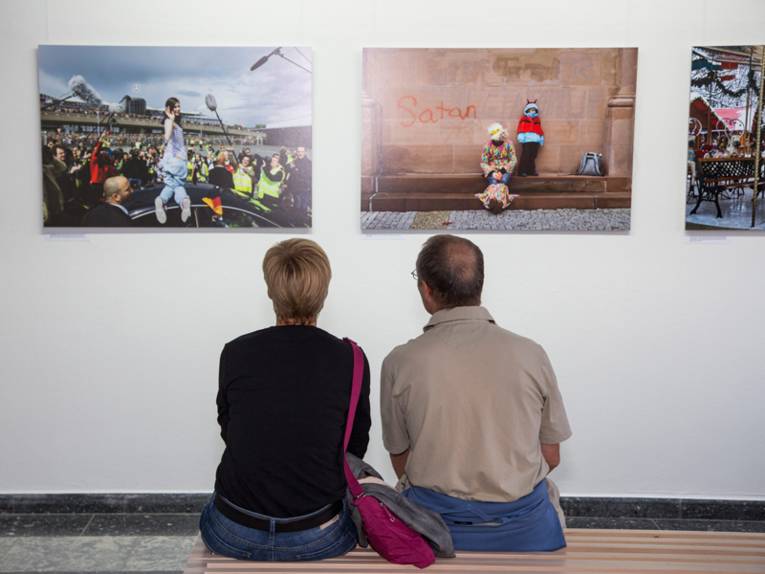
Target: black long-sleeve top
{"x": 283, "y": 400}
{"x": 221, "y": 177}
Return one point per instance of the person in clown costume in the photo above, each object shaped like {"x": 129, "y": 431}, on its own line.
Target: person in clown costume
{"x": 497, "y": 163}
{"x": 498, "y": 158}
{"x": 531, "y": 137}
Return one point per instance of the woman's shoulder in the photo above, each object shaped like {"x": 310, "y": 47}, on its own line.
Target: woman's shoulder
{"x": 298, "y": 333}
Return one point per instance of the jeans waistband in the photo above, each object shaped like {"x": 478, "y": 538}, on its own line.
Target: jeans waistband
{"x": 257, "y": 521}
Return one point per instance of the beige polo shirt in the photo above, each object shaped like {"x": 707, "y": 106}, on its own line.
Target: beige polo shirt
{"x": 472, "y": 402}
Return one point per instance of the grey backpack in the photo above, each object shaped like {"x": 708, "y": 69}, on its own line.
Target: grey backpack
{"x": 591, "y": 164}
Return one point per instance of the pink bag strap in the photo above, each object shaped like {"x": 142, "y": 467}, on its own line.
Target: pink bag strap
{"x": 358, "y": 375}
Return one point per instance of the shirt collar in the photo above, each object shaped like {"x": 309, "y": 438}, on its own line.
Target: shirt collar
{"x": 472, "y": 313}
{"x": 119, "y": 206}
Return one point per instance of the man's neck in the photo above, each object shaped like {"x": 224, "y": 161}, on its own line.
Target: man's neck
{"x": 446, "y": 308}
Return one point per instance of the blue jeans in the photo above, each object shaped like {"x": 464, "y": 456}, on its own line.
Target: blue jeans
{"x": 174, "y": 171}
{"x": 223, "y": 536}
{"x": 505, "y": 179}
{"x": 529, "y": 524}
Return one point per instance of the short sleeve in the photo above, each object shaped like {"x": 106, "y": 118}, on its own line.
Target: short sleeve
{"x": 555, "y": 427}
{"x": 394, "y": 431}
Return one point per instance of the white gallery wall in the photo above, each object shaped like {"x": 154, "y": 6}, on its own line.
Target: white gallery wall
{"x": 109, "y": 342}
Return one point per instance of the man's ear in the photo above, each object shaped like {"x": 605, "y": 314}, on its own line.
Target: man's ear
{"x": 429, "y": 297}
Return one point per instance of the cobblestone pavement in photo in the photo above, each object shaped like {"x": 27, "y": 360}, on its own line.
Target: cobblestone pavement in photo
{"x": 510, "y": 220}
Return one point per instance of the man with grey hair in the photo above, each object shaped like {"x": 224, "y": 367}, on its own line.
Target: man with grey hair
{"x": 471, "y": 413}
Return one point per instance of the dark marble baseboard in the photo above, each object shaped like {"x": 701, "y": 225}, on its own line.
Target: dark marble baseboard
{"x": 665, "y": 508}
{"x": 111, "y": 524}
{"x": 176, "y": 503}
{"x": 187, "y": 503}
{"x": 99, "y": 572}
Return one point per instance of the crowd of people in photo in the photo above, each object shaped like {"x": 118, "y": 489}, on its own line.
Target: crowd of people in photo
{"x": 76, "y": 165}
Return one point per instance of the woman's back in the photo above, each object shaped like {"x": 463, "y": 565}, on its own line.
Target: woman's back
{"x": 282, "y": 404}
{"x": 283, "y": 401}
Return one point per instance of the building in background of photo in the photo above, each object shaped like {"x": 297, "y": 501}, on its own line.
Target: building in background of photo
{"x": 426, "y": 113}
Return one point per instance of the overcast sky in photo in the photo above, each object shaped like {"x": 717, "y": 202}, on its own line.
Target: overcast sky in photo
{"x": 276, "y": 94}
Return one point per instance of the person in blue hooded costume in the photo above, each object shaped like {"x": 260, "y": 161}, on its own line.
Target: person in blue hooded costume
{"x": 531, "y": 137}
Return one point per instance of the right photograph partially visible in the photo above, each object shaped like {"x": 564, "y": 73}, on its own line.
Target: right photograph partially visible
{"x": 725, "y": 174}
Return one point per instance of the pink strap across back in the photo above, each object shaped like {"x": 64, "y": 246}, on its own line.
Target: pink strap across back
{"x": 358, "y": 374}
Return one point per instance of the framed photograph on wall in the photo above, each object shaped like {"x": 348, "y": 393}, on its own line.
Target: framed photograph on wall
{"x": 497, "y": 139}
{"x": 176, "y": 137}
{"x": 725, "y": 175}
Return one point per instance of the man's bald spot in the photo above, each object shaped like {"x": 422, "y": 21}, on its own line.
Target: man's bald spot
{"x": 452, "y": 267}
{"x": 462, "y": 260}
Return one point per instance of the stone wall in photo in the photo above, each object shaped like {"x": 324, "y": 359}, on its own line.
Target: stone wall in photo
{"x": 426, "y": 110}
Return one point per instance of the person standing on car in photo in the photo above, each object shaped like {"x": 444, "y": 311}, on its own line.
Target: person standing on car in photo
{"x": 172, "y": 166}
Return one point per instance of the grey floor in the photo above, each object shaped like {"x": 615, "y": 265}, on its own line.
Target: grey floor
{"x": 158, "y": 543}
{"x": 508, "y": 220}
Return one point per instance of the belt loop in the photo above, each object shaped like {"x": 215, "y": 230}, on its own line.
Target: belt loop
{"x": 271, "y": 531}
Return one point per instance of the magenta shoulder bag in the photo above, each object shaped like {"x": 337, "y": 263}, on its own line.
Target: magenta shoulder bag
{"x": 387, "y": 534}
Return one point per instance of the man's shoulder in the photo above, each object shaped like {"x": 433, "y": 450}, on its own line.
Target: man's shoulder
{"x": 520, "y": 342}
{"x": 430, "y": 341}
{"x": 106, "y": 214}
{"x": 401, "y": 352}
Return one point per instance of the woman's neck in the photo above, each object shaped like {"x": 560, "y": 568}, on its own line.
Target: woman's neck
{"x": 283, "y": 321}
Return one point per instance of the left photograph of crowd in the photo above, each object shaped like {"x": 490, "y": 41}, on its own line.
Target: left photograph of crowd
{"x": 176, "y": 137}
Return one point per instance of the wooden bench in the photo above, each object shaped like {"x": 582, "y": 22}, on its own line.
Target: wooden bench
{"x": 588, "y": 551}
{"x": 719, "y": 176}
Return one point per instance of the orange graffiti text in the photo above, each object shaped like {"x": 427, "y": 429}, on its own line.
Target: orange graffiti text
{"x": 433, "y": 115}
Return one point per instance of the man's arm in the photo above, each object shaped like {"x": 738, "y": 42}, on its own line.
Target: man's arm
{"x": 394, "y": 430}
{"x": 551, "y": 454}
{"x": 555, "y": 428}
{"x": 399, "y": 462}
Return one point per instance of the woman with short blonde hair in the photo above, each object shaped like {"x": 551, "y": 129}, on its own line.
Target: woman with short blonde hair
{"x": 297, "y": 273}
{"x": 282, "y": 402}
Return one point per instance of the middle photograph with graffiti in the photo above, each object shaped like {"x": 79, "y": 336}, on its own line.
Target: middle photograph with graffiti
{"x": 497, "y": 139}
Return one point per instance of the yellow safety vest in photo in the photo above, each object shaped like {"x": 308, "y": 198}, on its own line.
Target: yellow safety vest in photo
{"x": 242, "y": 182}
{"x": 203, "y": 173}
{"x": 268, "y": 187}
